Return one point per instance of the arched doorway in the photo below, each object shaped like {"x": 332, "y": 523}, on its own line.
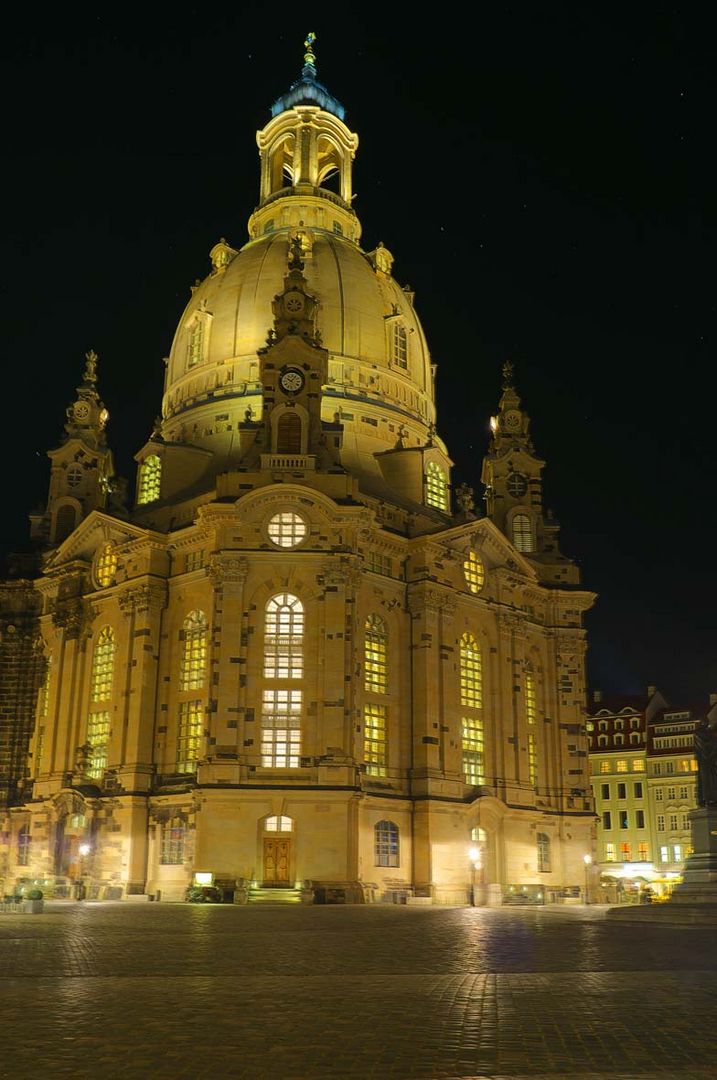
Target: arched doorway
{"x": 276, "y": 852}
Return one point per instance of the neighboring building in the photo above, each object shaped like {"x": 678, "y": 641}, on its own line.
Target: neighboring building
{"x": 643, "y": 772}
{"x": 300, "y": 657}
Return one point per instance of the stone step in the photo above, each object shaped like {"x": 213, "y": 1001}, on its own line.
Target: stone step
{"x": 274, "y": 896}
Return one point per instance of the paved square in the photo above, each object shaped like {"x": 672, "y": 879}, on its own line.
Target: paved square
{"x": 114, "y": 990}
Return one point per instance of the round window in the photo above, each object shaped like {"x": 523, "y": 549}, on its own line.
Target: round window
{"x": 286, "y": 529}
{"x": 517, "y": 485}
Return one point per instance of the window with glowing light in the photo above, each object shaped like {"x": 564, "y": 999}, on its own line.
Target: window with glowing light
{"x": 522, "y": 529}
{"x": 532, "y": 759}
{"x": 171, "y": 843}
{"x": 609, "y": 852}
{"x": 374, "y": 739}
{"x": 664, "y": 854}
{"x": 193, "y": 666}
{"x": 543, "y": 853}
{"x": 643, "y": 852}
{"x": 436, "y": 487}
{"x": 98, "y": 736}
{"x": 474, "y": 572}
{"x": 473, "y": 748}
{"x": 150, "y": 480}
{"x": 278, "y": 823}
{"x": 638, "y": 765}
{"x": 400, "y": 345}
{"x": 621, "y": 766}
{"x": 375, "y": 650}
{"x": 190, "y": 733}
{"x": 103, "y": 665}
{"x": 286, "y": 529}
{"x": 530, "y": 718}
{"x": 626, "y": 851}
{"x": 284, "y": 637}
{"x": 604, "y": 766}
{"x": 281, "y": 729}
{"x": 386, "y": 843}
{"x": 106, "y": 567}
{"x": 23, "y": 846}
{"x": 471, "y": 672}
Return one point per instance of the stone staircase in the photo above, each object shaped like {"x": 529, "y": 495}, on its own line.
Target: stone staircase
{"x": 257, "y": 895}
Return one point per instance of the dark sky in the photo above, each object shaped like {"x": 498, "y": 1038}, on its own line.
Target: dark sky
{"x": 545, "y": 180}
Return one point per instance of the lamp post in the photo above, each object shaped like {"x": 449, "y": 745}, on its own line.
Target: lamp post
{"x": 84, "y": 850}
{"x": 474, "y": 856}
{"x": 587, "y": 859}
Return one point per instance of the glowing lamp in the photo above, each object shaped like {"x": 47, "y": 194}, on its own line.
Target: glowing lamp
{"x": 474, "y": 854}
{"x": 201, "y": 878}
{"x": 84, "y": 849}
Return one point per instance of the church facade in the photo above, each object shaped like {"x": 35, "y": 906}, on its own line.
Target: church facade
{"x": 299, "y": 661}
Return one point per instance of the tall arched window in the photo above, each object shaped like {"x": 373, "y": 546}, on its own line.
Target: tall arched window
{"x": 400, "y": 345}
{"x": 65, "y": 522}
{"x": 530, "y": 717}
{"x": 23, "y": 846}
{"x": 375, "y": 647}
{"x": 106, "y": 567}
{"x": 150, "y": 478}
{"x": 543, "y": 853}
{"x": 98, "y": 721}
{"x": 288, "y": 433}
{"x": 473, "y": 750}
{"x": 386, "y": 840}
{"x": 284, "y": 638}
{"x": 283, "y": 660}
{"x": 195, "y": 343}
{"x": 194, "y": 653}
{"x": 436, "y": 487}
{"x": 471, "y": 672}
{"x": 171, "y": 844}
{"x": 522, "y": 532}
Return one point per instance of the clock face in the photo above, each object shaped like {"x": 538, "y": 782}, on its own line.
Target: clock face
{"x": 517, "y": 485}
{"x": 294, "y": 303}
{"x": 511, "y": 420}
{"x": 291, "y": 381}
{"x": 82, "y": 410}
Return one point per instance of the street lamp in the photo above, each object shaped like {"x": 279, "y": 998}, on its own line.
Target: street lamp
{"x": 84, "y": 850}
{"x": 474, "y": 856}
{"x": 587, "y": 859}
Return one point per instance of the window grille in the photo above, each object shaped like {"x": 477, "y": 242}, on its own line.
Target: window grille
{"x": 106, "y": 566}
{"x": 171, "y": 849}
{"x": 150, "y": 477}
{"x": 386, "y": 838}
{"x": 543, "y": 853}
{"x": 473, "y": 750}
{"x": 374, "y": 739}
{"x": 103, "y": 665}
{"x": 286, "y": 529}
{"x": 193, "y": 666}
{"x": 283, "y": 637}
{"x": 400, "y": 345}
{"x": 281, "y": 729}
{"x": 98, "y": 734}
{"x": 474, "y": 572}
{"x": 436, "y": 487}
{"x": 471, "y": 673}
{"x": 189, "y": 735}
{"x": 375, "y": 650}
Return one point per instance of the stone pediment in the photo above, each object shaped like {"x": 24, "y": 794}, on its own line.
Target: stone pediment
{"x": 97, "y": 529}
{"x": 487, "y": 540}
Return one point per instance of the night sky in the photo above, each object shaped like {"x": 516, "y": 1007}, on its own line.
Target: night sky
{"x": 545, "y": 181}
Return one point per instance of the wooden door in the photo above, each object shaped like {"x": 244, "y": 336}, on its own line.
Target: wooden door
{"x": 276, "y": 862}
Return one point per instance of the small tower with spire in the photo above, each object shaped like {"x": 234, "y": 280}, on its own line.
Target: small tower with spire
{"x": 82, "y": 467}
{"x": 512, "y": 477}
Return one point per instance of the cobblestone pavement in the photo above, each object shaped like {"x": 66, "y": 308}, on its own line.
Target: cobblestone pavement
{"x": 165, "y": 991}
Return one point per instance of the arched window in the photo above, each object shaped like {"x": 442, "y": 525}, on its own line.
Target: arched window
{"x": 171, "y": 844}
{"x": 65, "y": 522}
{"x": 436, "y": 488}
{"x": 283, "y": 659}
{"x": 103, "y": 665}
{"x": 23, "y": 846}
{"x": 194, "y": 653}
{"x": 106, "y": 566}
{"x": 474, "y": 572}
{"x": 530, "y": 717}
{"x": 278, "y": 823}
{"x": 195, "y": 343}
{"x": 543, "y": 853}
{"x": 471, "y": 672}
{"x": 375, "y": 647}
{"x": 284, "y": 638}
{"x": 150, "y": 477}
{"x": 400, "y": 345}
{"x": 522, "y": 532}
{"x": 288, "y": 433}
{"x": 386, "y": 838}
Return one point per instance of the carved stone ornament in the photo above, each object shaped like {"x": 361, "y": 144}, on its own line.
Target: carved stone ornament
{"x": 143, "y": 598}
{"x": 510, "y": 622}
{"x": 431, "y": 601}
{"x": 227, "y": 569}
{"x": 70, "y": 616}
{"x": 341, "y": 574}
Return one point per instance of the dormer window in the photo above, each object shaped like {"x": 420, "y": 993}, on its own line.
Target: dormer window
{"x": 150, "y": 476}
{"x": 400, "y": 345}
{"x": 195, "y": 343}
{"x": 436, "y": 487}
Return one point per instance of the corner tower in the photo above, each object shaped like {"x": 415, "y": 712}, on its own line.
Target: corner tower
{"x": 512, "y": 476}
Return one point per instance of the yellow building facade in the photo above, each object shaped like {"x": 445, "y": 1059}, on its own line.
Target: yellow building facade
{"x": 300, "y": 661}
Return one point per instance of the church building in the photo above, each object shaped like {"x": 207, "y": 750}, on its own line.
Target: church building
{"x": 297, "y": 659}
